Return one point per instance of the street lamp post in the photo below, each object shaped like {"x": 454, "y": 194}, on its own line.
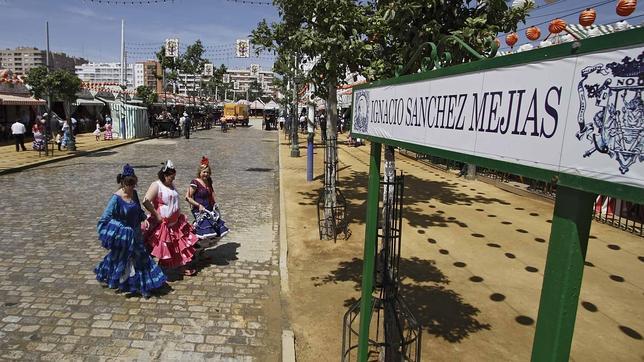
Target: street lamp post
{"x": 295, "y": 147}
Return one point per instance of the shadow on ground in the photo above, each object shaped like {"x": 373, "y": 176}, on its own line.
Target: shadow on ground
{"x": 419, "y": 194}
{"x": 440, "y": 311}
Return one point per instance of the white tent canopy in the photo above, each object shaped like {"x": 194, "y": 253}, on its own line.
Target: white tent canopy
{"x": 271, "y": 105}
{"x": 257, "y": 105}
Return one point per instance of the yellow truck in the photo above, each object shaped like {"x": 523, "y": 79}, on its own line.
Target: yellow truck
{"x": 236, "y": 114}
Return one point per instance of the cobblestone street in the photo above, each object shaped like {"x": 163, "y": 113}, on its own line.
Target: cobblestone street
{"x": 51, "y": 306}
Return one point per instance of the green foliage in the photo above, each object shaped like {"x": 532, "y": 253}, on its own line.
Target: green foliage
{"x": 398, "y": 28}
{"x": 326, "y": 36}
{"x": 190, "y": 62}
{"x": 215, "y": 84}
{"x": 59, "y": 84}
{"x": 255, "y": 90}
{"x": 147, "y": 95}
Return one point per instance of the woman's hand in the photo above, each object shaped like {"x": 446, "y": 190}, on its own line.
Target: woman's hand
{"x": 201, "y": 208}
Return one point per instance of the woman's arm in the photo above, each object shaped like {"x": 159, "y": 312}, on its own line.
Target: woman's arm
{"x": 151, "y": 194}
{"x": 190, "y": 194}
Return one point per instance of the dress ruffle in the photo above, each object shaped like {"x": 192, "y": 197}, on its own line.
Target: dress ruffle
{"x": 171, "y": 243}
{"x": 114, "y": 234}
{"x": 127, "y": 266}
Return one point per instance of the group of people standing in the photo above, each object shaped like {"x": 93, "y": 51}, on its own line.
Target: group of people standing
{"x": 142, "y": 246}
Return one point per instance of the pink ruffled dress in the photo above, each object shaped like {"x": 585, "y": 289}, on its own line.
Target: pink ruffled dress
{"x": 172, "y": 240}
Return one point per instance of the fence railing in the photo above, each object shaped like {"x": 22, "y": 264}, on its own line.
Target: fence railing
{"x": 617, "y": 213}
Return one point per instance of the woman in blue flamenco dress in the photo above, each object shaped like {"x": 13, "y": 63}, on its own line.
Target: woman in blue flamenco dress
{"x": 201, "y": 196}
{"x": 128, "y": 266}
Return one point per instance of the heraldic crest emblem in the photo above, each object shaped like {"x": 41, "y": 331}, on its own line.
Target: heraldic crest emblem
{"x": 617, "y": 124}
{"x": 361, "y": 111}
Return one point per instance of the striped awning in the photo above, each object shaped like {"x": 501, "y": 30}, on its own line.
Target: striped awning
{"x": 18, "y": 100}
{"x": 87, "y": 102}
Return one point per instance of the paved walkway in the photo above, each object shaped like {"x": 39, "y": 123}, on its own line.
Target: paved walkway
{"x": 51, "y": 307}
{"x": 10, "y": 160}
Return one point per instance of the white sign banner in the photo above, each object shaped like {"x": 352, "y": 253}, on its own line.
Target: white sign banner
{"x": 242, "y": 48}
{"x": 208, "y": 70}
{"x": 172, "y": 48}
{"x": 582, "y": 115}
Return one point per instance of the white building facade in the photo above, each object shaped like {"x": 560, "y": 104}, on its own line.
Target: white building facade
{"x": 105, "y": 73}
{"x": 244, "y": 77}
{"x": 139, "y": 69}
{"x": 188, "y": 83}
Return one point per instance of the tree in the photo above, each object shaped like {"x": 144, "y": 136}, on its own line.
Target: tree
{"x": 57, "y": 85}
{"x": 329, "y": 34}
{"x": 192, "y": 62}
{"x": 255, "y": 90}
{"x": 398, "y": 28}
{"x": 147, "y": 95}
{"x": 171, "y": 64}
{"x": 214, "y": 86}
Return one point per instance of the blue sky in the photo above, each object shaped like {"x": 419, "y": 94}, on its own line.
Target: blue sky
{"x": 93, "y": 31}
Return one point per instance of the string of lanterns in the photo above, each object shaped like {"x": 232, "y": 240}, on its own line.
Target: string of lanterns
{"x": 587, "y": 18}
{"x": 107, "y": 87}
{"x": 131, "y": 2}
{"x": 152, "y": 2}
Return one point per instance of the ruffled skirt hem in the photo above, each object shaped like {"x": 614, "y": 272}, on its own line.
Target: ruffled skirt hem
{"x": 172, "y": 244}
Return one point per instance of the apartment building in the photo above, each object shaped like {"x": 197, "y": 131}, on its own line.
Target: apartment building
{"x": 243, "y": 78}
{"x": 22, "y": 59}
{"x": 148, "y": 73}
{"x": 105, "y": 73}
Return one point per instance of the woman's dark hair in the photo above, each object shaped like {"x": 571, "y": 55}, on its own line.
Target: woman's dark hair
{"x": 126, "y": 180}
{"x": 162, "y": 174}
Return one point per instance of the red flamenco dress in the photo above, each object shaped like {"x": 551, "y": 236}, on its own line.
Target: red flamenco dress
{"x": 171, "y": 241}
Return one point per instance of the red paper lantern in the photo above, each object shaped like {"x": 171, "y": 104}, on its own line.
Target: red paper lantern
{"x": 511, "y": 39}
{"x": 533, "y": 33}
{"x": 625, "y": 7}
{"x": 587, "y": 17}
{"x": 557, "y": 26}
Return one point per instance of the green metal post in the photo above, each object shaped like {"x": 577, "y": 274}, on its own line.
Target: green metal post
{"x": 369, "y": 250}
{"x": 563, "y": 274}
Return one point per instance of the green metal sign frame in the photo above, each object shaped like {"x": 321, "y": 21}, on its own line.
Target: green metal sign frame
{"x": 572, "y": 213}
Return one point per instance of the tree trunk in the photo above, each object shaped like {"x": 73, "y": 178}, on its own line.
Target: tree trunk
{"x": 330, "y": 200}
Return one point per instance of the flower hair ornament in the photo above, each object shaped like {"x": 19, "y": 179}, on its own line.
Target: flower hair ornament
{"x": 167, "y": 165}
{"x": 128, "y": 170}
{"x": 204, "y": 161}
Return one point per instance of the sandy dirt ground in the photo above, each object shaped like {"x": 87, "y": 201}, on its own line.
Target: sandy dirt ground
{"x": 472, "y": 266}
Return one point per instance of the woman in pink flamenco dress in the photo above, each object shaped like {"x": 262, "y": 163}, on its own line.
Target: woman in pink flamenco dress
{"x": 169, "y": 236}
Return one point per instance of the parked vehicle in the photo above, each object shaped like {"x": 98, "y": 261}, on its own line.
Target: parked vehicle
{"x": 236, "y": 114}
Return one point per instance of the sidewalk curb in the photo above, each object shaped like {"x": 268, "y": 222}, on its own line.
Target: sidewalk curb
{"x": 283, "y": 232}
{"x": 68, "y": 156}
{"x": 288, "y": 337}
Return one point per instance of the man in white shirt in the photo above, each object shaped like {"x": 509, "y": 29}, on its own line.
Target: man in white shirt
{"x": 18, "y": 130}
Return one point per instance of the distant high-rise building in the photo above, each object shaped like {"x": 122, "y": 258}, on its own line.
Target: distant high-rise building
{"x": 22, "y": 59}
{"x": 189, "y": 83}
{"x": 244, "y": 78}
{"x": 105, "y": 73}
{"x": 148, "y": 73}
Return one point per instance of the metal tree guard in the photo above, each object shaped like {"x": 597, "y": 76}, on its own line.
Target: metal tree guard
{"x": 332, "y": 217}
{"x": 397, "y": 333}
